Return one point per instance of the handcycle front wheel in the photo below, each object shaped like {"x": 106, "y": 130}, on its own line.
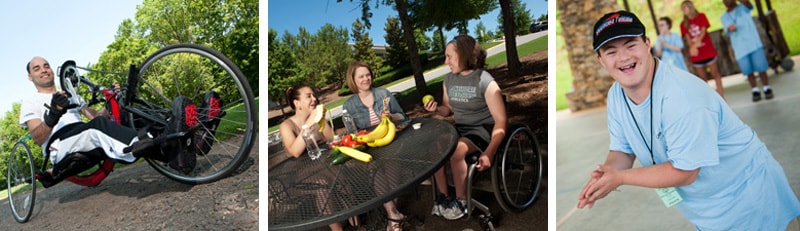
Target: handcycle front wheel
{"x": 192, "y": 71}
{"x": 21, "y": 180}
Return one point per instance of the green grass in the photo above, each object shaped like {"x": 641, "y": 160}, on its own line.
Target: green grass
{"x": 488, "y": 45}
{"x": 563, "y": 72}
{"x": 531, "y": 47}
{"x": 4, "y": 192}
{"x": 225, "y": 128}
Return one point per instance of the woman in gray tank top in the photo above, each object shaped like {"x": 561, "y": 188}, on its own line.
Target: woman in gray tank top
{"x": 474, "y": 99}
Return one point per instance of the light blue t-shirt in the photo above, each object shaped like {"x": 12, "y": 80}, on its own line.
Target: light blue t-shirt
{"x": 674, "y": 58}
{"x": 745, "y": 39}
{"x": 740, "y": 185}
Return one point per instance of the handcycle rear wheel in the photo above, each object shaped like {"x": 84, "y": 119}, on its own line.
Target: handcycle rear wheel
{"x": 21, "y": 182}
{"x": 518, "y": 171}
{"x": 192, "y": 70}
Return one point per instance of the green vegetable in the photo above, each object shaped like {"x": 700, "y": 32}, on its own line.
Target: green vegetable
{"x": 340, "y": 159}
{"x": 334, "y": 153}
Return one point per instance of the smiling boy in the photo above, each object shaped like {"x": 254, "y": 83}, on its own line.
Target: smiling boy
{"x": 694, "y": 150}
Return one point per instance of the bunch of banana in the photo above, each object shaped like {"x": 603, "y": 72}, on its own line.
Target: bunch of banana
{"x": 381, "y": 136}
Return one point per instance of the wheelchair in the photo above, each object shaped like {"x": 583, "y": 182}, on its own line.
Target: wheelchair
{"x": 514, "y": 178}
{"x": 221, "y": 137}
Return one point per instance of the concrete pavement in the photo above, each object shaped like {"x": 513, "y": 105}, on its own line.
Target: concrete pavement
{"x": 582, "y": 143}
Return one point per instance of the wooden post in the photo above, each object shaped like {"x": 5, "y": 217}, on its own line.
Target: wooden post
{"x": 653, "y": 14}
{"x": 627, "y": 8}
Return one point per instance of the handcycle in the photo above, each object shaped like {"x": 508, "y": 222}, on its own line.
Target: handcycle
{"x": 186, "y": 71}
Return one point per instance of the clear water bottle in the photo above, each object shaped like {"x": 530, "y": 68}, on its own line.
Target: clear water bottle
{"x": 349, "y": 124}
{"x": 311, "y": 143}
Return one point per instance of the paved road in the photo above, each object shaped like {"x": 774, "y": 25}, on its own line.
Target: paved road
{"x": 582, "y": 143}
{"x": 444, "y": 69}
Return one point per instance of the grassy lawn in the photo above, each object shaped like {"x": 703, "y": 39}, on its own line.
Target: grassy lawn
{"x": 563, "y": 75}
{"x": 531, "y": 47}
{"x": 226, "y": 127}
{"x": 4, "y": 192}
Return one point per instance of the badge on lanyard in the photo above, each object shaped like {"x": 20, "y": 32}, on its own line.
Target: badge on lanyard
{"x": 669, "y": 196}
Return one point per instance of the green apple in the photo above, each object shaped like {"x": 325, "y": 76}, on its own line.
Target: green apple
{"x": 426, "y": 98}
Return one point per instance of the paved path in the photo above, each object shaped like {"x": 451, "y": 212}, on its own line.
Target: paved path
{"x": 582, "y": 143}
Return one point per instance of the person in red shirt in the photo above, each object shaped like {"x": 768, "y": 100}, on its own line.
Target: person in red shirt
{"x": 694, "y": 29}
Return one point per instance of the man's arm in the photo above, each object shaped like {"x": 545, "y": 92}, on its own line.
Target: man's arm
{"x": 619, "y": 160}
{"x": 90, "y": 113}
{"x": 746, "y": 3}
{"x": 655, "y": 176}
{"x": 39, "y": 131}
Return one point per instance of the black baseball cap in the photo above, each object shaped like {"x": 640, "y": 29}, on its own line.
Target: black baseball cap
{"x": 616, "y": 25}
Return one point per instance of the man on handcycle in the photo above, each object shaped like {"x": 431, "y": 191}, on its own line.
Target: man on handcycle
{"x": 74, "y": 146}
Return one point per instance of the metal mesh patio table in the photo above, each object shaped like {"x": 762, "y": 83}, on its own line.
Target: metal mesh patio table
{"x": 306, "y": 194}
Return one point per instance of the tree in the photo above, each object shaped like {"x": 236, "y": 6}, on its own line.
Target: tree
{"x": 439, "y": 41}
{"x": 423, "y": 40}
{"x": 240, "y": 43}
{"x": 282, "y": 66}
{"x": 448, "y": 14}
{"x": 228, "y": 26}
{"x": 396, "y": 54}
{"x": 362, "y": 49}
{"x": 509, "y": 29}
{"x": 10, "y": 133}
{"x": 521, "y": 17}
{"x": 328, "y": 56}
{"x": 480, "y": 32}
{"x": 408, "y": 30}
{"x": 542, "y": 17}
{"x": 405, "y": 23}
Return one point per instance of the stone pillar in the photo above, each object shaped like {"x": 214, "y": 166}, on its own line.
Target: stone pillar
{"x": 590, "y": 81}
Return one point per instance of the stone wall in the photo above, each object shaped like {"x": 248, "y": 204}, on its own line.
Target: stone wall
{"x": 590, "y": 81}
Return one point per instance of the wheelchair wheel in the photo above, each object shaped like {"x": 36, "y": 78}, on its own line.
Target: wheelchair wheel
{"x": 21, "y": 182}
{"x": 192, "y": 71}
{"x": 517, "y": 172}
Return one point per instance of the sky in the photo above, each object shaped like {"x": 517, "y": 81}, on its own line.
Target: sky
{"x": 289, "y": 15}
{"x": 58, "y": 31}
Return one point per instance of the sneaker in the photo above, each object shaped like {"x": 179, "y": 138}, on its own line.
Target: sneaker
{"x": 209, "y": 114}
{"x": 768, "y": 94}
{"x": 438, "y": 205}
{"x": 47, "y": 179}
{"x": 756, "y": 96}
{"x": 455, "y": 209}
{"x": 184, "y": 116}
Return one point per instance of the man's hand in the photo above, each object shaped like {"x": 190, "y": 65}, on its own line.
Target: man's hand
{"x": 732, "y": 28}
{"x": 58, "y": 106}
{"x": 603, "y": 180}
{"x": 582, "y": 197}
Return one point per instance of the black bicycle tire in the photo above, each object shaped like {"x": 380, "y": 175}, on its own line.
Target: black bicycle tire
{"x": 21, "y": 218}
{"x": 243, "y": 87}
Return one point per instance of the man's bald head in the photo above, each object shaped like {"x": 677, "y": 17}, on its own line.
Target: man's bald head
{"x": 28, "y": 65}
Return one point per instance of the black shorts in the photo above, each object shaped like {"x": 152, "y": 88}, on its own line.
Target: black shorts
{"x": 479, "y": 135}
{"x": 705, "y": 62}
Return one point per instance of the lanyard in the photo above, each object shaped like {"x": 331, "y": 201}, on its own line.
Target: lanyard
{"x": 651, "y": 113}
